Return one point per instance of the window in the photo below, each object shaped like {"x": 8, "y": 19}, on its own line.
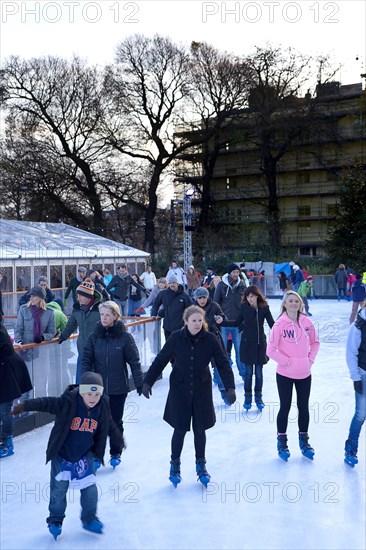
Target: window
{"x": 331, "y": 210}
{"x": 304, "y": 211}
{"x": 303, "y": 177}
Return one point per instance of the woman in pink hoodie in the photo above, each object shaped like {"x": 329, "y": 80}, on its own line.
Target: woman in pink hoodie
{"x": 293, "y": 344}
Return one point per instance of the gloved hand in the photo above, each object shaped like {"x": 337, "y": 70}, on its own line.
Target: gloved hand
{"x": 38, "y": 339}
{"x": 65, "y": 302}
{"x": 60, "y": 340}
{"x": 146, "y": 391}
{"x": 358, "y": 386}
{"x": 231, "y": 395}
{"x": 17, "y": 409}
{"x": 139, "y": 390}
{"x": 140, "y": 310}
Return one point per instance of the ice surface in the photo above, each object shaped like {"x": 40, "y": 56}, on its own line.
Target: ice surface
{"x": 255, "y": 500}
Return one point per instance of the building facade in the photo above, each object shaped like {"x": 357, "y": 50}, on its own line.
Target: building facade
{"x": 307, "y": 174}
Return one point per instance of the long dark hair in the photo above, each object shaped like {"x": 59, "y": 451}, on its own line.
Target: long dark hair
{"x": 253, "y": 289}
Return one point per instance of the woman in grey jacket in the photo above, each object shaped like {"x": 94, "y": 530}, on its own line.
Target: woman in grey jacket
{"x": 35, "y": 323}
{"x": 108, "y": 351}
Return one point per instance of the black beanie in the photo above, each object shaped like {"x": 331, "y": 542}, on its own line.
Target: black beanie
{"x": 90, "y": 382}
{"x": 231, "y": 268}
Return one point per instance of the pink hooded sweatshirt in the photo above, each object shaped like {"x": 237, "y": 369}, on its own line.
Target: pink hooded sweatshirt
{"x": 293, "y": 346}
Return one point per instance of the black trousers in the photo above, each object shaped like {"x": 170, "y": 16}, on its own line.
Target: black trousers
{"x": 199, "y": 441}
{"x": 285, "y": 386}
{"x": 117, "y": 405}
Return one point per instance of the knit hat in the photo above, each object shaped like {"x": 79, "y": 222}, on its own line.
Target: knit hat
{"x": 86, "y": 288}
{"x": 91, "y": 382}
{"x": 82, "y": 269}
{"x": 232, "y": 267}
{"x": 201, "y": 292}
{"x": 172, "y": 279}
{"x": 37, "y": 291}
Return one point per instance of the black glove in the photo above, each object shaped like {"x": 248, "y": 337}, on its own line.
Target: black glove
{"x": 146, "y": 391}
{"x": 38, "y": 339}
{"x": 139, "y": 390}
{"x": 358, "y": 386}
{"x": 60, "y": 340}
{"x": 231, "y": 395}
{"x": 17, "y": 409}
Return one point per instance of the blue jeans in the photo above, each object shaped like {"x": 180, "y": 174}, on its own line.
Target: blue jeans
{"x": 58, "y": 491}
{"x": 235, "y": 334}
{"x": 78, "y": 368}
{"x": 6, "y": 421}
{"x": 360, "y": 412}
{"x": 258, "y": 385}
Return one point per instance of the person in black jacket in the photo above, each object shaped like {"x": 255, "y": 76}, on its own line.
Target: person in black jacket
{"x": 14, "y": 381}
{"x": 98, "y": 283}
{"x": 214, "y": 317}
{"x": 108, "y": 351}
{"x": 120, "y": 288}
{"x": 253, "y": 312}
{"x": 190, "y": 387}
{"x": 80, "y": 431}
{"x": 170, "y": 304}
{"x": 50, "y": 296}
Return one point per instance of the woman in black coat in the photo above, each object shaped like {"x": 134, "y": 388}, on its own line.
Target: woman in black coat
{"x": 108, "y": 351}
{"x": 253, "y": 312}
{"x": 14, "y": 381}
{"x": 190, "y": 386}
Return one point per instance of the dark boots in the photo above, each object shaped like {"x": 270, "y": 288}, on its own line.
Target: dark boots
{"x": 174, "y": 475}
{"x": 282, "y": 448}
{"x": 248, "y": 401}
{"x": 203, "y": 475}
{"x": 305, "y": 448}
{"x": 350, "y": 453}
{"x": 259, "y": 401}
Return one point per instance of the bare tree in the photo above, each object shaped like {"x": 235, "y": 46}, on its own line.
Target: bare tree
{"x": 149, "y": 87}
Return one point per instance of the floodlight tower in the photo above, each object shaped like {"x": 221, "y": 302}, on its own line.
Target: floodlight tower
{"x": 187, "y": 226}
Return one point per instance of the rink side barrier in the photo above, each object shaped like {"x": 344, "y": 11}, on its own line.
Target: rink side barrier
{"x": 52, "y": 366}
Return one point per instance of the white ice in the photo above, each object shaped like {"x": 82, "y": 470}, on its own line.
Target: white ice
{"x": 255, "y": 500}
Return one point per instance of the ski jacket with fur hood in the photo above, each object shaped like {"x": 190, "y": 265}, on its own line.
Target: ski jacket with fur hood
{"x": 293, "y": 345}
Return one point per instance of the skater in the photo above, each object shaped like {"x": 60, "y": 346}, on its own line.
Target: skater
{"x": 358, "y": 296}
{"x": 228, "y": 294}
{"x": 253, "y": 312}
{"x": 190, "y": 387}
{"x": 340, "y": 279}
{"x": 356, "y": 362}
{"x": 214, "y": 317}
{"x": 306, "y": 292}
{"x": 293, "y": 344}
{"x": 107, "y": 351}
{"x": 14, "y": 381}
{"x": 80, "y": 431}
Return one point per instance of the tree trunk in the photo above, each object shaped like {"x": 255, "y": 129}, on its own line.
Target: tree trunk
{"x": 149, "y": 239}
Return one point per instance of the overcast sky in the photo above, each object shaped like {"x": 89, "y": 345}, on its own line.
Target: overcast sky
{"x": 92, "y": 29}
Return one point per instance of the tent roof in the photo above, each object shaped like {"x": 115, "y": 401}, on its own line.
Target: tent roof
{"x": 36, "y": 240}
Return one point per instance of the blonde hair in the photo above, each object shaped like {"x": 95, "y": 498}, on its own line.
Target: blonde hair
{"x": 112, "y": 306}
{"x": 192, "y": 310}
{"x": 285, "y": 296}
{"x": 41, "y": 305}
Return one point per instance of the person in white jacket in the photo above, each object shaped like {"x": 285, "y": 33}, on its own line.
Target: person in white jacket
{"x": 356, "y": 362}
{"x": 293, "y": 344}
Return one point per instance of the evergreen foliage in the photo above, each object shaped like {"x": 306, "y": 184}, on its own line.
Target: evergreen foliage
{"x": 347, "y": 233}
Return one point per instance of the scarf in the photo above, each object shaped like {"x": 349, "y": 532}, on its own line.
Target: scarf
{"x": 37, "y": 313}
{"x": 79, "y": 473}
{"x": 87, "y": 307}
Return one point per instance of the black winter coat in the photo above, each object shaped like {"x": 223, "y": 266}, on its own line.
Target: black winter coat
{"x": 253, "y": 342}
{"x": 65, "y": 407}
{"x": 107, "y": 351}
{"x": 173, "y": 304}
{"x": 190, "y": 381}
{"x": 14, "y": 375}
{"x": 121, "y": 287}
